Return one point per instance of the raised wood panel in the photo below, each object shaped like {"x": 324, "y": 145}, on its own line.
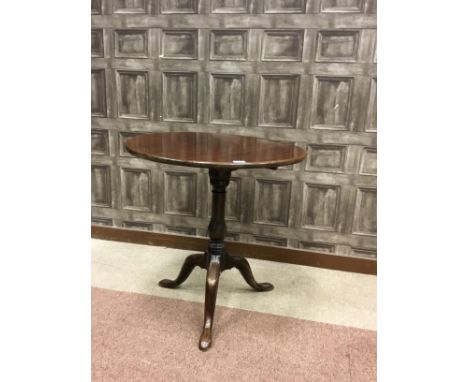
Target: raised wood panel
{"x": 98, "y": 93}
{"x": 282, "y": 45}
{"x": 340, "y": 46}
{"x": 131, "y": 43}
{"x": 97, "y": 43}
{"x": 368, "y": 165}
{"x": 364, "y": 253}
{"x": 233, "y": 200}
{"x": 365, "y": 213}
{"x": 180, "y": 193}
{"x": 331, "y": 103}
{"x": 321, "y": 206}
{"x": 227, "y": 98}
{"x": 180, "y": 44}
{"x": 179, "y": 97}
{"x": 101, "y": 221}
{"x": 317, "y": 247}
{"x": 99, "y": 142}
{"x": 229, "y": 6}
{"x": 181, "y": 230}
{"x": 278, "y": 100}
{"x": 284, "y": 6}
{"x": 96, "y": 7}
{"x": 101, "y": 186}
{"x": 130, "y": 6}
{"x": 270, "y": 240}
{"x": 179, "y": 6}
{"x": 326, "y": 158}
{"x": 272, "y": 199}
{"x": 133, "y": 94}
{"x": 371, "y": 122}
{"x": 340, "y": 6}
{"x": 228, "y": 44}
{"x": 140, "y": 226}
{"x": 136, "y": 189}
{"x": 371, "y": 6}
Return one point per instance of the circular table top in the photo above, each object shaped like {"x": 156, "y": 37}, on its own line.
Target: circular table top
{"x": 214, "y": 150}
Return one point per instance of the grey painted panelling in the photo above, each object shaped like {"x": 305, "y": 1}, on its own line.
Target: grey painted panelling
{"x": 229, "y": 6}
{"x": 318, "y": 247}
{"x": 368, "y": 161}
{"x": 326, "y": 158}
{"x": 181, "y": 44}
{"x": 130, "y": 6}
{"x": 341, "y": 5}
{"x": 272, "y": 200}
{"x": 300, "y": 71}
{"x": 131, "y": 43}
{"x": 97, "y": 43}
{"x": 284, "y": 6}
{"x": 180, "y": 97}
{"x": 229, "y": 44}
{"x": 101, "y": 186}
{"x": 278, "y": 100}
{"x": 99, "y": 142}
{"x": 133, "y": 94}
{"x": 136, "y": 189}
{"x": 282, "y": 45}
{"x": 338, "y": 46}
{"x": 331, "y": 106}
{"x": 96, "y": 7}
{"x": 365, "y": 215}
{"x": 227, "y": 98}
{"x": 320, "y": 206}
{"x": 179, "y": 6}
{"x": 98, "y": 93}
{"x": 180, "y": 192}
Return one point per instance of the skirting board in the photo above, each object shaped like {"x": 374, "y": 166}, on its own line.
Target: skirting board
{"x": 255, "y": 251}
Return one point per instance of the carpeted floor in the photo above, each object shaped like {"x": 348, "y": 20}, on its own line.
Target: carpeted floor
{"x": 137, "y": 337}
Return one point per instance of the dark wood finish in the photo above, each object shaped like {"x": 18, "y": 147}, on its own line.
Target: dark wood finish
{"x": 253, "y": 251}
{"x": 214, "y": 150}
{"x": 189, "y": 265}
{"x": 244, "y": 268}
{"x": 221, "y": 154}
{"x": 216, "y": 259}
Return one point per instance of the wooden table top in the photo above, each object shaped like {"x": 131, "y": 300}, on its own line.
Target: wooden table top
{"x": 214, "y": 150}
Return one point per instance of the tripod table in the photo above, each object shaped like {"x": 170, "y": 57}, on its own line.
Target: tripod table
{"x": 221, "y": 154}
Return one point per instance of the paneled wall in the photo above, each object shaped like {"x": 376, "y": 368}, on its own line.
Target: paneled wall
{"x": 300, "y": 71}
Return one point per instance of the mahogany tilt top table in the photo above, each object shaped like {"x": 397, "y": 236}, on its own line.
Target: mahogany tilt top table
{"x": 221, "y": 154}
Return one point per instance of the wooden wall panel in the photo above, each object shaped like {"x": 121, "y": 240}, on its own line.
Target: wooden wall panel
{"x": 272, "y": 200}
{"x": 98, "y": 93}
{"x": 101, "y": 186}
{"x": 180, "y": 193}
{"x": 229, "y": 6}
{"x": 181, "y": 44}
{"x": 131, "y": 43}
{"x": 284, "y": 6}
{"x": 133, "y": 94}
{"x": 179, "y": 96}
{"x": 278, "y": 100}
{"x": 229, "y": 44}
{"x": 136, "y": 189}
{"x": 301, "y": 71}
{"x": 332, "y": 100}
{"x": 227, "y": 98}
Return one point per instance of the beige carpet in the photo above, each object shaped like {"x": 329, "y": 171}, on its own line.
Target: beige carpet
{"x": 137, "y": 337}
